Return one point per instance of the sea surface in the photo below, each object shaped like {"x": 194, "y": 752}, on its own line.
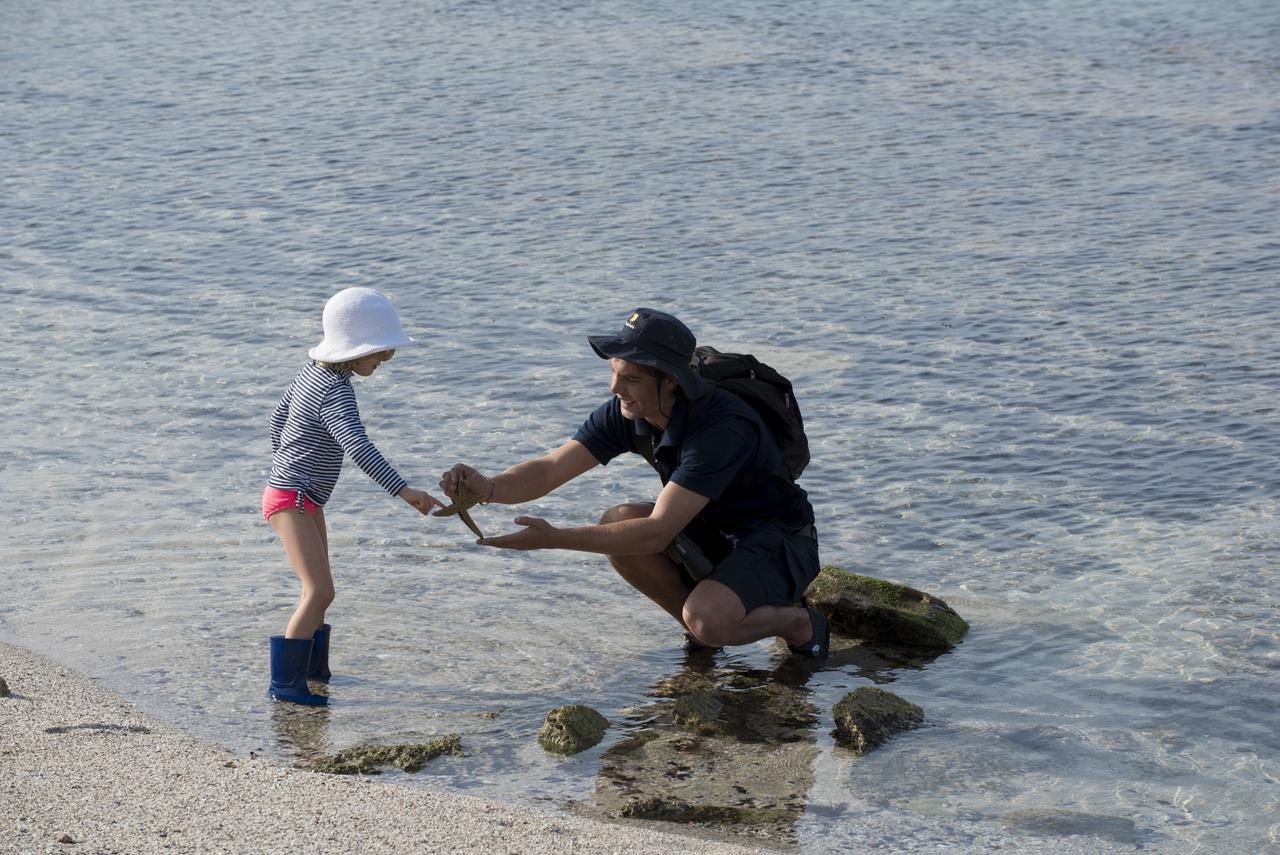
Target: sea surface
{"x": 1021, "y": 261}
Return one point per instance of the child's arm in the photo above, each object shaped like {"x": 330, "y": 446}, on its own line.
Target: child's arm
{"x": 420, "y": 499}
{"x": 278, "y": 418}
{"x": 342, "y": 419}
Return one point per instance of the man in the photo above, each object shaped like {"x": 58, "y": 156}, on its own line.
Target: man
{"x": 729, "y": 544}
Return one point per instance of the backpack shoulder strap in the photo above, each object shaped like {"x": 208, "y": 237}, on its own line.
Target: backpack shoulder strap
{"x": 643, "y": 444}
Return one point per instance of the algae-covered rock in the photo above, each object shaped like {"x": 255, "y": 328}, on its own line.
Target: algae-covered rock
{"x": 697, "y": 712}
{"x": 877, "y": 610}
{"x": 732, "y": 748}
{"x": 366, "y": 759}
{"x": 868, "y": 716}
{"x": 755, "y": 790}
{"x": 572, "y": 728}
{"x": 745, "y": 706}
{"x": 4, "y": 688}
{"x": 674, "y": 810}
{"x": 684, "y": 682}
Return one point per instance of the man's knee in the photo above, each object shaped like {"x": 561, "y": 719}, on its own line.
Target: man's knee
{"x": 714, "y": 613}
{"x": 710, "y": 626}
{"x": 628, "y": 511}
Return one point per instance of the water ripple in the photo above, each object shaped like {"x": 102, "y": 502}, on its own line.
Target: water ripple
{"x": 1019, "y": 261}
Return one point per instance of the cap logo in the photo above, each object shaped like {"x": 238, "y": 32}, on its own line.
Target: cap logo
{"x": 631, "y": 321}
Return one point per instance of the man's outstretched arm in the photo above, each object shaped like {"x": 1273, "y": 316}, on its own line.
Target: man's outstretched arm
{"x": 524, "y": 482}
{"x": 675, "y": 508}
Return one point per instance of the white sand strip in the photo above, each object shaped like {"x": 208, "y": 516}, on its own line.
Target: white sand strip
{"x": 76, "y": 760}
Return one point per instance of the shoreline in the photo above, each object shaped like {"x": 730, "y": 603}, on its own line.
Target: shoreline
{"x": 82, "y": 770}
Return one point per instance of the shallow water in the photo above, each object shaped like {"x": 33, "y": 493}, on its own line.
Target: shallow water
{"x": 1019, "y": 259}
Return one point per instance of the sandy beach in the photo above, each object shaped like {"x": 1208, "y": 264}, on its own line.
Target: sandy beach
{"x": 81, "y": 770}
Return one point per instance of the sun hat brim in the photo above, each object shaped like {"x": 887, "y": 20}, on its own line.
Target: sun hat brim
{"x": 613, "y": 347}
{"x": 326, "y": 352}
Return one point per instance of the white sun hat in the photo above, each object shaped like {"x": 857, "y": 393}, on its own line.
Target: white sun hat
{"x": 358, "y": 322}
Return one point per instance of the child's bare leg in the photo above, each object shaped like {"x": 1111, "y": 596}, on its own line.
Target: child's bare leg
{"x": 318, "y": 516}
{"x": 305, "y": 542}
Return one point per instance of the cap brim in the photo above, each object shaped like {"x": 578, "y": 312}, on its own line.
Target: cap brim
{"x": 612, "y": 347}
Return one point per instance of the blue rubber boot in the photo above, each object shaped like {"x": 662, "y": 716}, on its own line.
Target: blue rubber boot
{"x": 289, "y": 660}
{"x": 318, "y": 669}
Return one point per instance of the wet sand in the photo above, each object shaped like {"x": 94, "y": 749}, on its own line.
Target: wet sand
{"x": 79, "y": 764}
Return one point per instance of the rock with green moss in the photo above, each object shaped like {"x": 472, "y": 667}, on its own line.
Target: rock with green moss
{"x": 734, "y": 748}
{"x": 686, "y": 681}
{"x": 868, "y": 716}
{"x": 572, "y": 728}
{"x": 877, "y": 610}
{"x": 370, "y": 759}
{"x": 674, "y": 810}
{"x": 697, "y": 712}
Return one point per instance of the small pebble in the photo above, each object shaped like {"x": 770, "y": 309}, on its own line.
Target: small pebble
{"x": 66, "y": 838}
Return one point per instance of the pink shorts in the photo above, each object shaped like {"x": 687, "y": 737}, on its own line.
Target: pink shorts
{"x": 274, "y": 500}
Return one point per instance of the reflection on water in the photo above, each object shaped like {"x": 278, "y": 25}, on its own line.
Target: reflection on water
{"x": 302, "y": 732}
{"x": 875, "y": 661}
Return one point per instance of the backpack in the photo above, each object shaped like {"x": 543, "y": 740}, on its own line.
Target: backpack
{"x": 768, "y": 393}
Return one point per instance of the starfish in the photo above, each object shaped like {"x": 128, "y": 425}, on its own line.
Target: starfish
{"x": 461, "y": 502}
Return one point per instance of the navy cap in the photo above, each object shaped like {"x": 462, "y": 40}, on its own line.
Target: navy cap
{"x": 658, "y": 340}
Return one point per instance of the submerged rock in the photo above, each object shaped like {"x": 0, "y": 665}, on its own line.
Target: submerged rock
{"x": 1067, "y": 823}
{"x": 877, "y": 610}
{"x": 674, "y": 810}
{"x": 697, "y": 712}
{"x": 683, "y": 682}
{"x": 731, "y": 748}
{"x": 868, "y": 716}
{"x": 366, "y": 759}
{"x": 572, "y": 728}
{"x": 755, "y": 790}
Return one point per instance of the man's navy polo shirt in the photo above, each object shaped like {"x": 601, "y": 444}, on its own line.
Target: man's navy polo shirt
{"x": 724, "y": 453}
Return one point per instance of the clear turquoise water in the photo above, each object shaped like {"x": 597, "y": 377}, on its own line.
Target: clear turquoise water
{"x": 1020, "y": 260}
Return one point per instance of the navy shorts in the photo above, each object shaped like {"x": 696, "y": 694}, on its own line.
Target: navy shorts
{"x": 765, "y": 565}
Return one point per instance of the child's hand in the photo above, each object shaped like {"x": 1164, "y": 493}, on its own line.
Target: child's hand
{"x": 420, "y": 499}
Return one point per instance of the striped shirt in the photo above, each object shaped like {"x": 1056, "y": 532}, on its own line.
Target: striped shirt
{"x": 314, "y": 423}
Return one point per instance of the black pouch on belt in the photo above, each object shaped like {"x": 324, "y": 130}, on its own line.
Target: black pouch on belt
{"x": 685, "y": 552}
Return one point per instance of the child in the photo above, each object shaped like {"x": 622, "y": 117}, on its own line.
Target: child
{"x": 314, "y": 423}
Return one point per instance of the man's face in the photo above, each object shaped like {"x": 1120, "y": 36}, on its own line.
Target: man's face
{"x": 637, "y": 389}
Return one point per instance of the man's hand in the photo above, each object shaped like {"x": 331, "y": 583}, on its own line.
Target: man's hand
{"x": 537, "y": 534}
{"x": 470, "y": 479}
{"x": 420, "y": 499}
